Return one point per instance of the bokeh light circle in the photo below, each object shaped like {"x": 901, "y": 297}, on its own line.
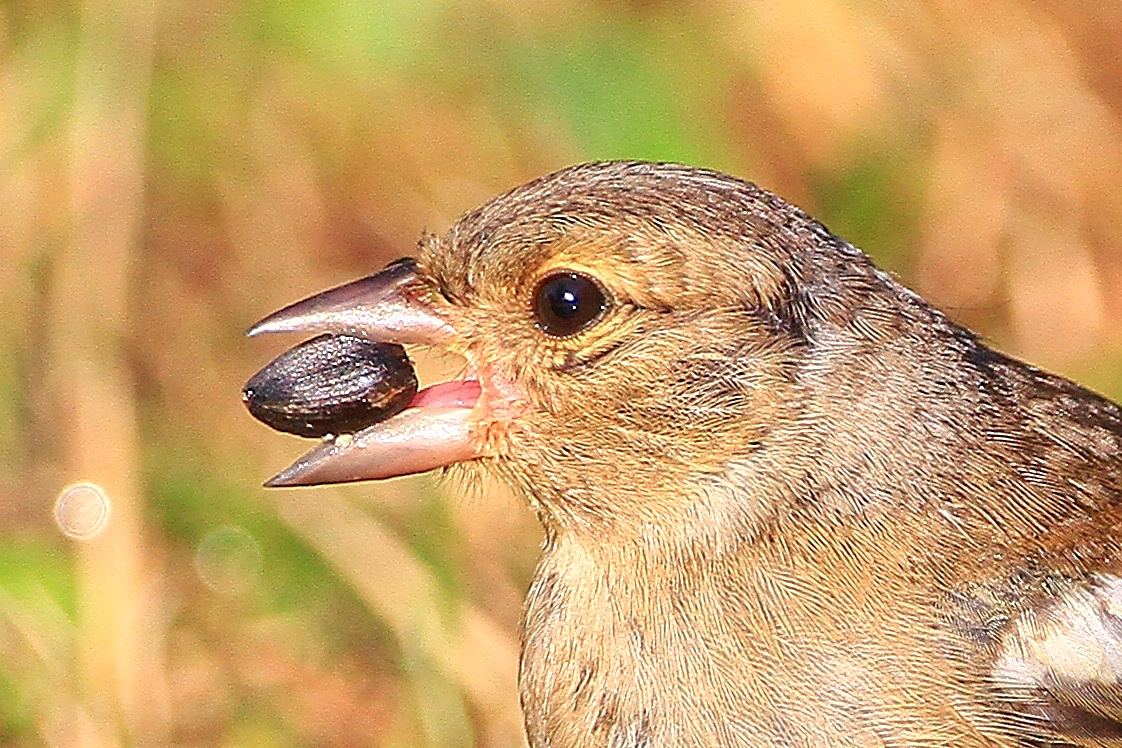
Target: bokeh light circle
{"x": 82, "y": 511}
{"x": 228, "y": 560}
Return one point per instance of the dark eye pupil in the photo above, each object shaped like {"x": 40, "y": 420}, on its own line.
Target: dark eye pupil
{"x": 567, "y": 303}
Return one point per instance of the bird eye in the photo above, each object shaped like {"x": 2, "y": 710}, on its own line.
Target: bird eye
{"x": 566, "y": 303}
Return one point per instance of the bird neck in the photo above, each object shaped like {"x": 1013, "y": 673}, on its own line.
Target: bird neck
{"x": 640, "y": 643}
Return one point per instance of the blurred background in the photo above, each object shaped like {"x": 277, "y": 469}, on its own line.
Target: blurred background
{"x": 172, "y": 170}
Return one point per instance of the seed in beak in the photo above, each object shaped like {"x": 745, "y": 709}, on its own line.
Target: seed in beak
{"x": 331, "y": 384}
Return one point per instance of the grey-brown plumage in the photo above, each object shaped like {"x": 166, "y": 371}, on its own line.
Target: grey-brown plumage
{"x": 786, "y": 502}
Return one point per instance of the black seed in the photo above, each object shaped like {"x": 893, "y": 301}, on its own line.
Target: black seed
{"x": 333, "y": 384}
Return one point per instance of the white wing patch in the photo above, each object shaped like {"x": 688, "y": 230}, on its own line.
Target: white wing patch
{"x": 1079, "y": 638}
{"x": 1059, "y": 669}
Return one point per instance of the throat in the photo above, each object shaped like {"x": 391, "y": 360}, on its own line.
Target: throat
{"x": 610, "y": 645}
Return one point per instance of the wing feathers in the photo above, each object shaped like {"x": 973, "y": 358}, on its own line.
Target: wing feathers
{"x": 1060, "y": 671}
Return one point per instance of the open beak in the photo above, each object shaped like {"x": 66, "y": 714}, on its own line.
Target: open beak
{"x": 435, "y": 429}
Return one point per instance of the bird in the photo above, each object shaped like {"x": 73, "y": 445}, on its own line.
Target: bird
{"x": 786, "y": 502}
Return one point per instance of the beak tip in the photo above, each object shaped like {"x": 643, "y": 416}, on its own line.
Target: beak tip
{"x": 307, "y": 471}
{"x": 284, "y": 479}
{"x": 273, "y": 323}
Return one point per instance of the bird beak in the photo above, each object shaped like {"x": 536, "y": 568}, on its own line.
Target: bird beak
{"x": 392, "y": 306}
{"x": 435, "y": 429}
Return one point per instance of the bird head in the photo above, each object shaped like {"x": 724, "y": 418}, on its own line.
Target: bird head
{"x": 632, "y": 333}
